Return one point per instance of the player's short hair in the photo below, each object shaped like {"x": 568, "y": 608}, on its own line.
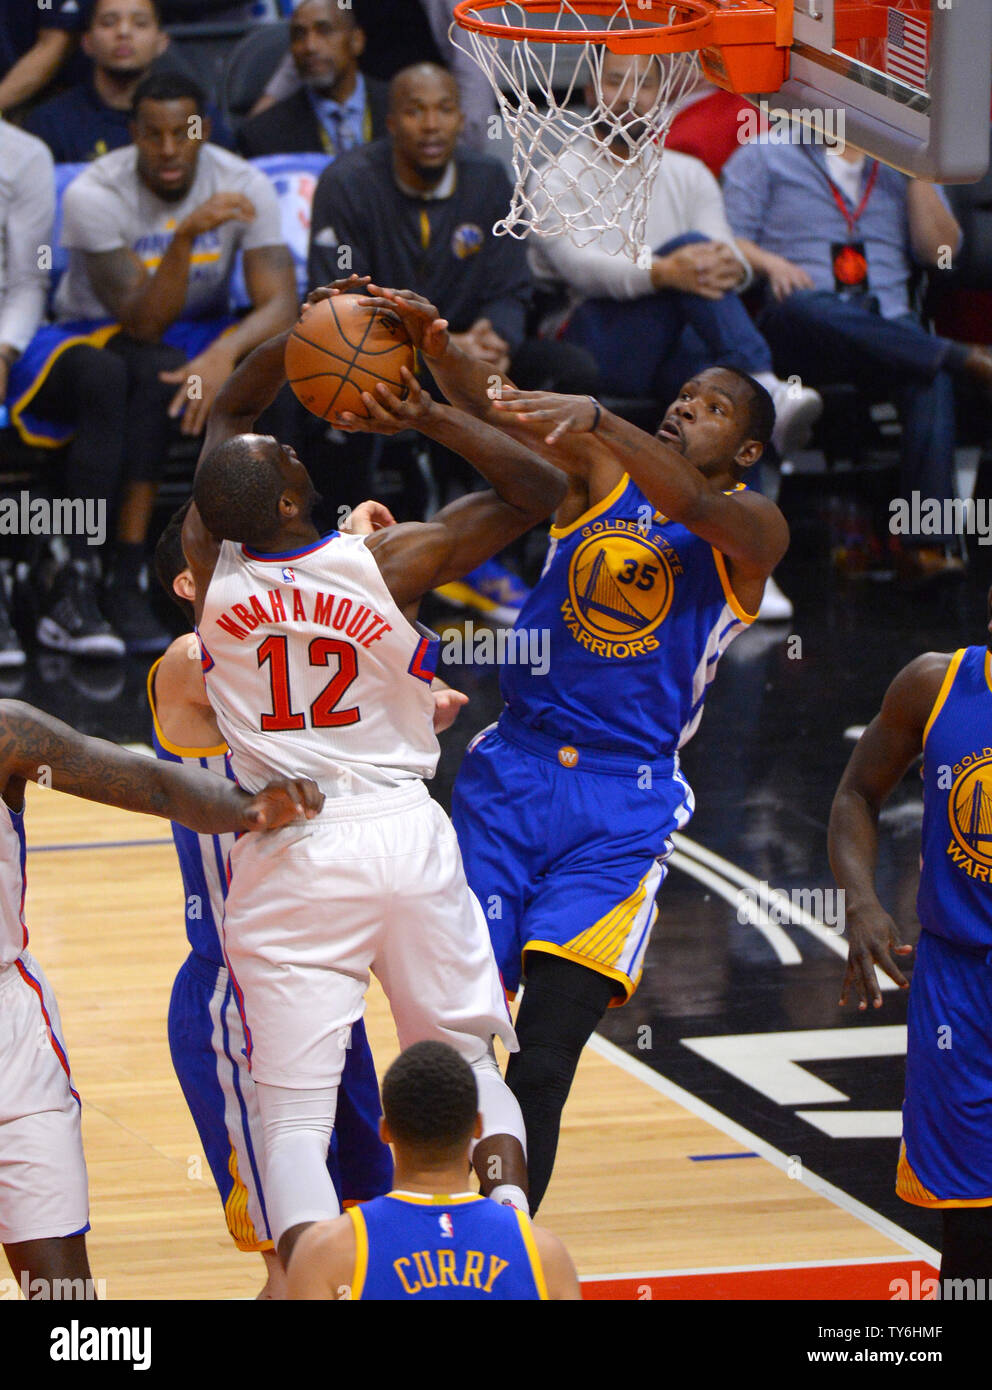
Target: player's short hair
{"x": 237, "y": 490}
{"x": 170, "y": 559}
{"x": 761, "y": 414}
{"x": 429, "y": 1098}
{"x": 169, "y": 86}
{"x": 156, "y": 5}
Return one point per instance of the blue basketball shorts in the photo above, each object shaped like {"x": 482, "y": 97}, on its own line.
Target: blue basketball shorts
{"x": 566, "y": 848}
{"x": 206, "y": 1038}
{"x": 946, "y": 1155}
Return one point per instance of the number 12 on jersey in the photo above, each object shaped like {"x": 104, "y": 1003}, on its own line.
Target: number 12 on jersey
{"x": 324, "y": 713}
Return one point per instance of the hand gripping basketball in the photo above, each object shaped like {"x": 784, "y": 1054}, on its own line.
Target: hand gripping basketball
{"x": 387, "y": 413}
{"x": 342, "y": 348}
{"x": 428, "y": 331}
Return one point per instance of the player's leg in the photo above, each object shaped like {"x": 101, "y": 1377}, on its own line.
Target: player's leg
{"x": 365, "y": 1163}
{"x": 966, "y": 1250}
{"x": 946, "y": 1156}
{"x": 207, "y": 1043}
{"x": 603, "y": 834}
{"x": 562, "y": 1006}
{"x": 300, "y": 988}
{"x": 436, "y": 965}
{"x": 44, "y": 1203}
{"x": 60, "y": 1263}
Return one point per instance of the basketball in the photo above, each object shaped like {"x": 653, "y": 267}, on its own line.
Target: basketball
{"x": 341, "y": 348}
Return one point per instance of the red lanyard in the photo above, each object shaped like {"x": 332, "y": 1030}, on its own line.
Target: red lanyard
{"x": 839, "y": 199}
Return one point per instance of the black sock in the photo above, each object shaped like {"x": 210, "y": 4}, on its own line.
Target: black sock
{"x": 562, "y": 1004}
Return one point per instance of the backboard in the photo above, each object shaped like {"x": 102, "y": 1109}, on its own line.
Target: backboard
{"x": 912, "y": 78}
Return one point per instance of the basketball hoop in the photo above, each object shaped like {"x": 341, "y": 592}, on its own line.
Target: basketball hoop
{"x": 586, "y": 172}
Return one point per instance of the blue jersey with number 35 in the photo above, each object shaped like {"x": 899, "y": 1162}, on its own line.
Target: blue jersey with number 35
{"x": 638, "y": 611}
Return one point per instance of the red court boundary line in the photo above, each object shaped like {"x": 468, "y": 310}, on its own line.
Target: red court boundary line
{"x": 867, "y": 1281}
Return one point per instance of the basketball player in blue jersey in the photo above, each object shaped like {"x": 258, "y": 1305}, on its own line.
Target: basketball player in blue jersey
{"x": 565, "y": 808}
{"x": 44, "y": 1206}
{"x": 430, "y": 1240}
{"x": 939, "y": 705}
{"x": 206, "y": 1035}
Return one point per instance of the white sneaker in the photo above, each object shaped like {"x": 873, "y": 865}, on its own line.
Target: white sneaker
{"x": 797, "y": 409}
{"x": 775, "y": 607}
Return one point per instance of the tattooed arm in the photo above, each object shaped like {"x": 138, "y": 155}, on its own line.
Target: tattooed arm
{"x": 35, "y": 747}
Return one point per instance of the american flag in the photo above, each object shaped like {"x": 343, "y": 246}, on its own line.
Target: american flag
{"x": 906, "y": 43}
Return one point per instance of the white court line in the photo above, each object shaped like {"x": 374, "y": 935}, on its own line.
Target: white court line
{"x": 783, "y": 947}
{"x": 800, "y": 917}
{"x": 767, "y": 1151}
{"x": 745, "y": 1269}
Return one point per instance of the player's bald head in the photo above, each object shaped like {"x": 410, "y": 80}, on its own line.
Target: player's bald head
{"x": 238, "y": 489}
{"x": 421, "y": 80}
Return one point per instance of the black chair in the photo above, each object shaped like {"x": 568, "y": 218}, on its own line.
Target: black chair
{"x": 201, "y": 50}
{"x": 250, "y": 64}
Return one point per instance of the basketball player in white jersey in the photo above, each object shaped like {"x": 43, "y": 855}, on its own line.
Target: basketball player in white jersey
{"x": 44, "y": 1204}
{"x": 313, "y": 664}
{"x": 206, "y": 1034}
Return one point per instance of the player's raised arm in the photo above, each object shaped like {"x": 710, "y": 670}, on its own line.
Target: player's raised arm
{"x": 744, "y": 526}
{"x": 35, "y": 747}
{"x": 880, "y": 759}
{"x": 418, "y": 556}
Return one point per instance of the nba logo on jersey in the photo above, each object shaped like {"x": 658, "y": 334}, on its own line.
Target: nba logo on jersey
{"x": 288, "y": 577}
{"x": 447, "y": 1229}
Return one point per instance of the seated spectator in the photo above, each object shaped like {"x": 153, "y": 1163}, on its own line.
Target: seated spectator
{"x": 414, "y": 210}
{"x": 27, "y": 210}
{"x": 122, "y": 39}
{"x": 650, "y": 327}
{"x": 335, "y": 108}
{"x": 835, "y": 236}
{"x": 152, "y": 232}
{"x": 35, "y": 44}
{"x": 400, "y": 34}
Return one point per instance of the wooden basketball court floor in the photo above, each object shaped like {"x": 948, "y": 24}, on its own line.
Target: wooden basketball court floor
{"x": 650, "y": 1196}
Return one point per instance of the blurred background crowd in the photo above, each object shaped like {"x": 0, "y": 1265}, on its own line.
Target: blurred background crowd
{"x": 176, "y": 174}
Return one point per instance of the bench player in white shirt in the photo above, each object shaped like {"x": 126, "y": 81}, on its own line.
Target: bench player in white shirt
{"x": 313, "y": 664}
{"x": 44, "y": 1203}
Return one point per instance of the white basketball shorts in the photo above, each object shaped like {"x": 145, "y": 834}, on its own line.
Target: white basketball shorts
{"x": 375, "y": 883}
{"x": 43, "y": 1189}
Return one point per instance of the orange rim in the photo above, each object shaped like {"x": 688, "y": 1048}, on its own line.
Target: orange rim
{"x": 465, "y": 14}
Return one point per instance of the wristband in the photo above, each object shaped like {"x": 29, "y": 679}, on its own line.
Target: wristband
{"x": 599, "y": 411}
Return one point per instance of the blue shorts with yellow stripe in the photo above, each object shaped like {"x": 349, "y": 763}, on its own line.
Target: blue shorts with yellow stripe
{"x": 30, "y": 371}
{"x": 566, "y": 848}
{"x": 206, "y": 1038}
{"x": 946, "y": 1157}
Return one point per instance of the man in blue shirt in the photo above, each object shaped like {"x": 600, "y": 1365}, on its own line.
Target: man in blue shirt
{"x": 836, "y": 235}
{"x": 123, "y": 39}
{"x": 336, "y": 108}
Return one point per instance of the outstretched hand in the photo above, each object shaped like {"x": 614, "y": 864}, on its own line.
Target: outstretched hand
{"x": 387, "y": 414}
{"x": 571, "y": 414}
{"x": 281, "y": 802}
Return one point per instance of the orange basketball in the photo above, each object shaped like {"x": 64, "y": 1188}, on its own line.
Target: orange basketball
{"x": 342, "y": 348}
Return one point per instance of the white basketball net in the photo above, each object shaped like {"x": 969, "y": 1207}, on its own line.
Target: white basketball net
{"x": 580, "y": 172}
